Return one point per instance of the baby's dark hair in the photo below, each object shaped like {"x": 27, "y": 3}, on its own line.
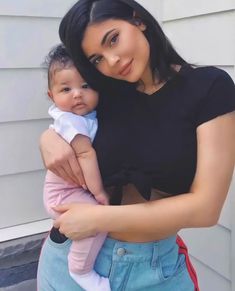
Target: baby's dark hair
{"x": 57, "y": 59}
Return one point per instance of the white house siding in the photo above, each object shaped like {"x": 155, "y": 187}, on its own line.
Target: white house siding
{"x": 28, "y": 29}
{"x": 203, "y": 33}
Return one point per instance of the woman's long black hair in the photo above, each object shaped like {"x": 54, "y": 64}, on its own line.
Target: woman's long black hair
{"x": 85, "y": 12}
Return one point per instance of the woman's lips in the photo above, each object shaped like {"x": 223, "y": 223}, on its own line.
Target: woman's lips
{"x": 125, "y": 70}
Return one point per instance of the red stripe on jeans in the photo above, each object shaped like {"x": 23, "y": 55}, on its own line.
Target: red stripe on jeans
{"x": 183, "y": 250}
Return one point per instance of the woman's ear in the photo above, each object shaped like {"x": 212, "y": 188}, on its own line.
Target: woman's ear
{"x": 138, "y": 22}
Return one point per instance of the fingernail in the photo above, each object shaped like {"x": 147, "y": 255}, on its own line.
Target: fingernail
{"x": 84, "y": 187}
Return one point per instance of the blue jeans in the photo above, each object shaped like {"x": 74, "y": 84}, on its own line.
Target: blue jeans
{"x": 151, "y": 266}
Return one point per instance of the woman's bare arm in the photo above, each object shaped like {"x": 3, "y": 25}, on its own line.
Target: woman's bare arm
{"x": 199, "y": 208}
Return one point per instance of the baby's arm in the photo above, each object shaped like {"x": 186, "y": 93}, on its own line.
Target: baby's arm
{"x": 87, "y": 159}
{"x": 75, "y": 130}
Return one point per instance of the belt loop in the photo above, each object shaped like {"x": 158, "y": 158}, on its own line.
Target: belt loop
{"x": 154, "y": 256}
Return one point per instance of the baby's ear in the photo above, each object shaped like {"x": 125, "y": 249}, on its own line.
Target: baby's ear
{"x": 50, "y": 94}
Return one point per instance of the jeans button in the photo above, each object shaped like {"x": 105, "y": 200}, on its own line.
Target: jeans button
{"x": 121, "y": 252}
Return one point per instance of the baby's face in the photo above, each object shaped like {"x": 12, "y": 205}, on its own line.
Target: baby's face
{"x": 71, "y": 93}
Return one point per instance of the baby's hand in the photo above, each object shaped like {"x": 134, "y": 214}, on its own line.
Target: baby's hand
{"x": 102, "y": 198}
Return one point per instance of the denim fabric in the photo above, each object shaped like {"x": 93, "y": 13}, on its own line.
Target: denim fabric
{"x": 152, "y": 266}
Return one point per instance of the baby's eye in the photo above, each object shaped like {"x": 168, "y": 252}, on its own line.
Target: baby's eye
{"x": 85, "y": 86}
{"x": 114, "y": 39}
{"x": 66, "y": 89}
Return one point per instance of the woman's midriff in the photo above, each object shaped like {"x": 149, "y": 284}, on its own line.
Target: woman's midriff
{"x": 132, "y": 196}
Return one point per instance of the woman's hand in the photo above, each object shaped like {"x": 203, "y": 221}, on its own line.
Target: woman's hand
{"x": 77, "y": 221}
{"x": 59, "y": 157}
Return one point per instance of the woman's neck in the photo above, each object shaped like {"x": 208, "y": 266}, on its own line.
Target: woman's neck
{"x": 150, "y": 88}
{"x": 149, "y": 83}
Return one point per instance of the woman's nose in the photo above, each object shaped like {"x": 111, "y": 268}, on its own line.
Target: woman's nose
{"x": 113, "y": 60}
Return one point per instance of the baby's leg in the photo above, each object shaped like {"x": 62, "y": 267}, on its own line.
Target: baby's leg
{"x": 81, "y": 260}
{"x": 82, "y": 253}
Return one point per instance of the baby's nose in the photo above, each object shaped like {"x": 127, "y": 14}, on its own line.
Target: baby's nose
{"x": 77, "y": 93}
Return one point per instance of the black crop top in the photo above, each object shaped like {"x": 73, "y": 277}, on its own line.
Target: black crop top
{"x": 150, "y": 140}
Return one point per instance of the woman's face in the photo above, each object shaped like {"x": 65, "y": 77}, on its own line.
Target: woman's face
{"x": 118, "y": 49}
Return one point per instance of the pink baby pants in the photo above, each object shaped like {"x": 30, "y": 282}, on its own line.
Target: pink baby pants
{"x": 83, "y": 253}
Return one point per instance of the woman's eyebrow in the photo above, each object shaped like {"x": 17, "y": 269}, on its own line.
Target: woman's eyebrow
{"x": 105, "y": 36}
{"x": 102, "y": 41}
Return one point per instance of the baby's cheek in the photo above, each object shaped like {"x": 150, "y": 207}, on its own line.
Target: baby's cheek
{"x": 65, "y": 104}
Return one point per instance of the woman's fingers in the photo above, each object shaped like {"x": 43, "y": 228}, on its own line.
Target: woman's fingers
{"x": 55, "y": 172}
{"x": 77, "y": 171}
{"x": 61, "y": 209}
{"x": 76, "y": 221}
{"x": 65, "y": 175}
{"x": 56, "y": 224}
{"x": 70, "y": 171}
{"x": 60, "y": 159}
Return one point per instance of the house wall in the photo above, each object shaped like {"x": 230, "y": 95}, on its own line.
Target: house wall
{"x": 28, "y": 29}
{"x": 203, "y": 33}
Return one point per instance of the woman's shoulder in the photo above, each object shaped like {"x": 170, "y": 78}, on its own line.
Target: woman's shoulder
{"x": 206, "y": 74}
{"x": 212, "y": 92}
{"x": 199, "y": 81}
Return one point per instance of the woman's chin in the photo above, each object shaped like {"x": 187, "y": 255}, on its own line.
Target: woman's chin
{"x": 131, "y": 79}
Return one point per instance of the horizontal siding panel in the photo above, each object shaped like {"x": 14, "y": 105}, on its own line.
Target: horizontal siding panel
{"x": 19, "y": 146}
{"x": 225, "y": 217}
{"x": 208, "y": 279}
{"x": 24, "y": 89}
{"x": 22, "y": 230}
{"x": 211, "y": 246}
{"x": 22, "y": 196}
{"x": 45, "y": 8}
{"x": 227, "y": 212}
{"x": 25, "y": 41}
{"x": 173, "y": 9}
{"x": 206, "y": 39}
{"x": 154, "y": 7}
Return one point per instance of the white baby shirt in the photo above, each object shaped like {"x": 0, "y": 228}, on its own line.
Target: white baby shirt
{"x": 68, "y": 124}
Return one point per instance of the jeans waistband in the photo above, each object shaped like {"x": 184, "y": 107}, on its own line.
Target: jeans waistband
{"x": 128, "y": 251}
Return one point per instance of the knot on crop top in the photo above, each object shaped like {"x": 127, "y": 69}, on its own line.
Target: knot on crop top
{"x": 128, "y": 175}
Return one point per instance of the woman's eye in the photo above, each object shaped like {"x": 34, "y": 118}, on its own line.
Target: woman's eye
{"x": 96, "y": 61}
{"x": 85, "y": 86}
{"x": 66, "y": 89}
{"x": 114, "y": 39}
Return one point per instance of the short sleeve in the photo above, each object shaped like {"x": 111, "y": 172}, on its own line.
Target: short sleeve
{"x": 68, "y": 125}
{"x": 219, "y": 100}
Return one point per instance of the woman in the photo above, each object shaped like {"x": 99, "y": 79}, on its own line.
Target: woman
{"x": 165, "y": 145}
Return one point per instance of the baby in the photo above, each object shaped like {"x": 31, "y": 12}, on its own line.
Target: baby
{"x": 74, "y": 114}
